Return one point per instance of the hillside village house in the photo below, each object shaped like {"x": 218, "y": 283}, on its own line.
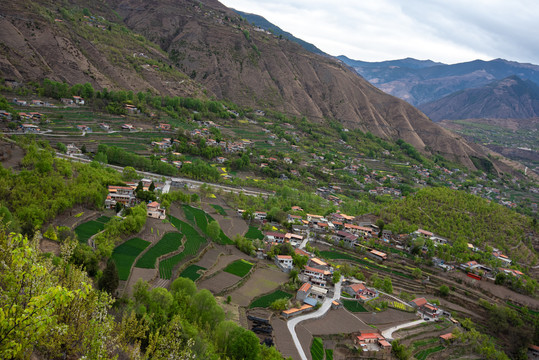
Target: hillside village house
{"x": 425, "y": 308}
{"x": 285, "y": 262}
{"x": 273, "y": 236}
{"x": 78, "y": 100}
{"x": 372, "y": 342}
{"x": 260, "y": 215}
{"x": 154, "y": 210}
{"x": 360, "y": 291}
{"x": 120, "y": 194}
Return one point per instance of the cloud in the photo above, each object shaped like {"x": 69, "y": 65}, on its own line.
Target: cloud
{"x": 441, "y": 30}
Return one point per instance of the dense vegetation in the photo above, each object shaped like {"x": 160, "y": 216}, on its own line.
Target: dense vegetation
{"x": 463, "y": 219}
{"x": 47, "y": 186}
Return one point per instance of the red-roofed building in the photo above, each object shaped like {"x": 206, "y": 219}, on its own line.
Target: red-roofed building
{"x": 154, "y": 210}
{"x": 447, "y": 337}
{"x": 372, "y": 342}
{"x": 274, "y": 236}
{"x": 426, "y": 308}
{"x": 304, "y": 291}
{"x": 360, "y": 291}
{"x": 285, "y": 262}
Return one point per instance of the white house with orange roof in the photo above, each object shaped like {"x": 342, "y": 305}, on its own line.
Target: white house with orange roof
{"x": 285, "y": 262}
{"x": 154, "y": 210}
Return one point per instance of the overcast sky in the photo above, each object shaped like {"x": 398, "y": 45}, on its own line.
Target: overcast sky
{"x": 448, "y": 31}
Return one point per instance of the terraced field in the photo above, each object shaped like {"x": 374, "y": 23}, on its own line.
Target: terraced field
{"x": 254, "y": 233}
{"x": 239, "y": 268}
{"x": 317, "y": 349}
{"x": 192, "y": 272}
{"x": 201, "y": 218}
{"x": 353, "y": 306}
{"x": 266, "y": 300}
{"x": 193, "y": 242}
{"x": 125, "y": 254}
{"x": 88, "y": 229}
{"x": 169, "y": 242}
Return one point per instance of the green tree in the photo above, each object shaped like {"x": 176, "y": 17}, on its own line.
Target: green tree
{"x": 129, "y": 173}
{"x": 214, "y": 230}
{"x": 417, "y": 273}
{"x": 387, "y": 285}
{"x": 279, "y": 304}
{"x": 61, "y": 147}
{"x": 110, "y": 280}
{"x": 443, "y": 290}
{"x": 336, "y": 276}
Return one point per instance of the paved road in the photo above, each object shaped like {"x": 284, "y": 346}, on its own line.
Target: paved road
{"x": 326, "y": 305}
{"x": 387, "y": 333}
{"x": 187, "y": 181}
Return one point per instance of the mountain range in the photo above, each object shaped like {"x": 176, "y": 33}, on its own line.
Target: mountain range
{"x": 420, "y": 82}
{"x": 204, "y": 49}
{"x": 509, "y": 98}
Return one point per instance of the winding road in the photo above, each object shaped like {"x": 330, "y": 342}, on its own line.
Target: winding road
{"x": 326, "y": 305}
{"x": 387, "y": 333}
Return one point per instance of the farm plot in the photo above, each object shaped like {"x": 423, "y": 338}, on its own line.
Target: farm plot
{"x": 262, "y": 281}
{"x": 125, "y": 254}
{"x": 329, "y": 354}
{"x": 266, "y": 300}
{"x": 336, "y": 255}
{"x": 254, "y": 233}
{"x": 317, "y": 349}
{"x": 219, "y": 209}
{"x": 202, "y": 219}
{"x": 168, "y": 243}
{"x": 88, "y": 229}
{"x": 239, "y": 268}
{"x": 192, "y": 272}
{"x": 219, "y": 282}
{"x": 353, "y": 306}
{"x": 423, "y": 354}
{"x": 192, "y": 245}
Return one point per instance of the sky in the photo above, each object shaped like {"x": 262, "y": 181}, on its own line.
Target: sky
{"x": 448, "y": 31}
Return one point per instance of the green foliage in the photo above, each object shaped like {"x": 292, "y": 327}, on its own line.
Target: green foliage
{"x": 192, "y": 272}
{"x": 125, "y": 254}
{"x": 329, "y": 354}
{"x": 48, "y": 186}
{"x": 245, "y": 245}
{"x": 400, "y": 351}
{"x": 317, "y": 349}
{"x": 462, "y": 218}
{"x": 279, "y": 304}
{"x": 266, "y": 300}
{"x": 444, "y": 290}
{"x": 219, "y": 208}
{"x": 109, "y": 281}
{"x": 336, "y": 276}
{"x": 88, "y": 229}
{"x": 239, "y": 268}
{"x": 48, "y": 309}
{"x": 417, "y": 273}
{"x": 61, "y": 147}
{"x": 169, "y": 242}
{"x": 134, "y": 220}
{"x": 214, "y": 230}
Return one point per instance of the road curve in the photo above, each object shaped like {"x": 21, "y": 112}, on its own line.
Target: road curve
{"x": 326, "y": 305}
{"x": 387, "y": 333}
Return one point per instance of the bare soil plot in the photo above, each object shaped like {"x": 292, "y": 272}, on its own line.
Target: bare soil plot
{"x": 67, "y": 218}
{"x": 219, "y": 282}
{"x": 10, "y": 154}
{"x": 230, "y": 254}
{"x": 138, "y": 273}
{"x": 387, "y": 318}
{"x": 49, "y": 246}
{"x": 231, "y": 224}
{"x": 154, "y": 230}
{"x": 210, "y": 257}
{"x": 262, "y": 281}
{"x": 283, "y": 339}
{"x": 335, "y": 322}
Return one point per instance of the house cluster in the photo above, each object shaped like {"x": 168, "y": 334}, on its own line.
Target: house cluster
{"x": 4, "y": 115}
{"x": 371, "y": 342}
{"x": 357, "y": 290}
{"x": 126, "y": 196}
{"x": 426, "y": 310}
{"x": 75, "y": 100}
{"x": 31, "y": 117}
{"x": 84, "y": 128}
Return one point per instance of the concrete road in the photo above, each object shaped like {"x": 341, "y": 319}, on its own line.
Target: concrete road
{"x": 389, "y": 332}
{"x": 326, "y": 305}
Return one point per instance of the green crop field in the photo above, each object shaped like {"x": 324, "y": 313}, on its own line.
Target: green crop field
{"x": 192, "y": 272}
{"x": 266, "y": 300}
{"x": 329, "y": 354}
{"x": 353, "y": 306}
{"x": 239, "y": 268}
{"x": 88, "y": 229}
{"x": 125, "y": 254}
{"x": 219, "y": 209}
{"x": 254, "y": 233}
{"x": 420, "y": 343}
{"x": 317, "y": 349}
{"x": 193, "y": 242}
{"x": 103, "y": 219}
{"x": 168, "y": 243}
{"x": 423, "y": 354}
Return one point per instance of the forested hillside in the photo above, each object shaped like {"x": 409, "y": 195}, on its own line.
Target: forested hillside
{"x": 464, "y": 218}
